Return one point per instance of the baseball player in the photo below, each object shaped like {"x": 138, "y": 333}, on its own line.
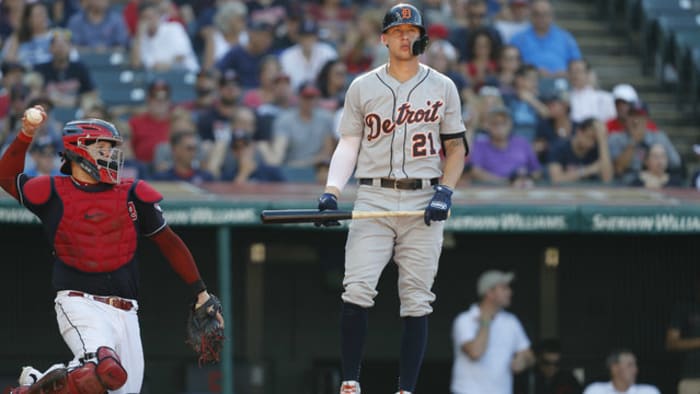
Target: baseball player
{"x": 397, "y": 121}
{"x": 93, "y": 220}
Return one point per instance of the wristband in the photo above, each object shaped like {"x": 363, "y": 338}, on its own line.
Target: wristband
{"x": 197, "y": 286}
{"x": 22, "y": 136}
{"x": 484, "y": 322}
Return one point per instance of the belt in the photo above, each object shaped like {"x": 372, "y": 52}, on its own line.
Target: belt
{"x": 116, "y": 302}
{"x": 403, "y": 183}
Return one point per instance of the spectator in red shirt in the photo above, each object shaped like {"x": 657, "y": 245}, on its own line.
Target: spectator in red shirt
{"x": 152, "y": 126}
{"x": 624, "y": 96}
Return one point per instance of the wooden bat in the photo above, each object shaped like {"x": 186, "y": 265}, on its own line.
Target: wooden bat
{"x": 277, "y": 216}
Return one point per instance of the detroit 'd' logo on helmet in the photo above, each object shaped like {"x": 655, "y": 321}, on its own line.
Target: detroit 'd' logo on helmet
{"x": 379, "y": 127}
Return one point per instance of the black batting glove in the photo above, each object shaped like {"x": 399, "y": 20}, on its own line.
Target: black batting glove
{"x": 327, "y": 201}
{"x": 439, "y": 205}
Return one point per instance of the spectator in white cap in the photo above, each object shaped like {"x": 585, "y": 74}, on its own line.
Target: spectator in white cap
{"x": 624, "y": 96}
{"x": 490, "y": 344}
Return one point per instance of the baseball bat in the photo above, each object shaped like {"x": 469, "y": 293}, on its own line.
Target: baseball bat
{"x": 277, "y": 216}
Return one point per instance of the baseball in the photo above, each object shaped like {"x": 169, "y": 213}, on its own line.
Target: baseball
{"x": 34, "y": 116}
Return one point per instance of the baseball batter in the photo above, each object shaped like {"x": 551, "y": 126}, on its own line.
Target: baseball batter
{"x": 93, "y": 220}
{"x": 396, "y": 122}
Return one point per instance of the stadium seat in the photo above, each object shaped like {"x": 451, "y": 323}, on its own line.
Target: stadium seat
{"x": 695, "y": 80}
{"x": 124, "y": 95}
{"x": 657, "y": 35}
{"x": 549, "y": 86}
{"x": 63, "y": 114}
{"x": 683, "y": 45}
{"x": 639, "y": 13}
{"x": 120, "y": 86}
{"x": 107, "y": 78}
{"x": 181, "y": 83}
{"x": 95, "y": 60}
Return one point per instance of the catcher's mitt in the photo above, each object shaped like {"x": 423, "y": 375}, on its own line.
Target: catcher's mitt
{"x": 204, "y": 332}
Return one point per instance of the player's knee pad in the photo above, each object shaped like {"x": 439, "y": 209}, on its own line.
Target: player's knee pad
{"x": 109, "y": 368}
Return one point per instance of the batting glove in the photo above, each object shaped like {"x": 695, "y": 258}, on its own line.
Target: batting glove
{"x": 439, "y": 205}
{"x": 327, "y": 201}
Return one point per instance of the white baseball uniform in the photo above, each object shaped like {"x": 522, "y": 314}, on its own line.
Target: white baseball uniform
{"x": 401, "y": 125}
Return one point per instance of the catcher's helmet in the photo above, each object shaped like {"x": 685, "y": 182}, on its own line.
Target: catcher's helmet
{"x": 78, "y": 135}
{"x": 406, "y": 14}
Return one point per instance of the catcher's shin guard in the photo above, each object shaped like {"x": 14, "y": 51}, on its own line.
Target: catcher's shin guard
{"x": 90, "y": 378}
{"x": 109, "y": 368}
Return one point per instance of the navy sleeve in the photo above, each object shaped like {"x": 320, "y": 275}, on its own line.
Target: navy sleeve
{"x": 150, "y": 217}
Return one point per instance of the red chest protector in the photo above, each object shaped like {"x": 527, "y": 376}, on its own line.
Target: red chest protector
{"x": 96, "y": 232}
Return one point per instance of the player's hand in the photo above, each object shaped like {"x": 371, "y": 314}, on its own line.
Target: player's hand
{"x": 202, "y": 298}
{"x": 31, "y": 125}
{"x": 327, "y": 201}
{"x": 439, "y": 206}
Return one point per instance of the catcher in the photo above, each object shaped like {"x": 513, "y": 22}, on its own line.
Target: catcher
{"x": 93, "y": 220}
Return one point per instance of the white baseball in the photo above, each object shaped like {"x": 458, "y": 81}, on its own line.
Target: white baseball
{"x": 34, "y": 116}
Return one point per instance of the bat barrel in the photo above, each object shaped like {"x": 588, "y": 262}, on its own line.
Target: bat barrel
{"x": 273, "y": 216}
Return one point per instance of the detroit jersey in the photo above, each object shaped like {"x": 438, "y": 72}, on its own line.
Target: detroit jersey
{"x": 401, "y": 123}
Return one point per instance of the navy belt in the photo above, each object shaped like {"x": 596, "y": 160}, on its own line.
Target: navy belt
{"x": 403, "y": 183}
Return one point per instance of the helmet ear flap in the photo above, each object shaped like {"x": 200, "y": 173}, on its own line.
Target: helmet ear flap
{"x": 420, "y": 45}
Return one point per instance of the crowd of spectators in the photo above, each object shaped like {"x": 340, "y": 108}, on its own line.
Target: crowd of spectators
{"x": 270, "y": 78}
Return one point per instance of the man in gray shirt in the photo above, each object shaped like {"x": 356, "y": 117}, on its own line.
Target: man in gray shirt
{"x": 303, "y": 136}
{"x": 628, "y": 149}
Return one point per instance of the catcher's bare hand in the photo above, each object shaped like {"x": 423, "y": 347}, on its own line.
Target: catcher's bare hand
{"x": 202, "y": 297}
{"x": 30, "y": 123}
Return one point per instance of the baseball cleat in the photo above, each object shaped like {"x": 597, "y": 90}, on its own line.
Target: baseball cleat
{"x": 29, "y": 376}
{"x": 350, "y": 387}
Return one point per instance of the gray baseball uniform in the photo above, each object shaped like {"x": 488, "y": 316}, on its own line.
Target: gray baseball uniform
{"x": 400, "y": 125}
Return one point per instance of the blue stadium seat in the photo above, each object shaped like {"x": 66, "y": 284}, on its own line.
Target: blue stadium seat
{"x": 181, "y": 83}
{"x": 108, "y": 78}
{"x": 120, "y": 86}
{"x": 695, "y": 80}
{"x": 63, "y": 114}
{"x": 683, "y": 45}
{"x": 124, "y": 95}
{"x": 549, "y": 86}
{"x": 95, "y": 60}
{"x": 658, "y": 35}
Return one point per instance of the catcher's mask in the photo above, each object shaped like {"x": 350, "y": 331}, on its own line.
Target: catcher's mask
{"x": 81, "y": 141}
{"x": 406, "y": 14}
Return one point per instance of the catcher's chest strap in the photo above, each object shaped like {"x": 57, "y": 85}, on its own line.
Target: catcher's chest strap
{"x": 115, "y": 302}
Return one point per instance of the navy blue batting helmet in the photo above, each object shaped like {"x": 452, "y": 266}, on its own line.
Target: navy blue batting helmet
{"x": 403, "y": 14}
